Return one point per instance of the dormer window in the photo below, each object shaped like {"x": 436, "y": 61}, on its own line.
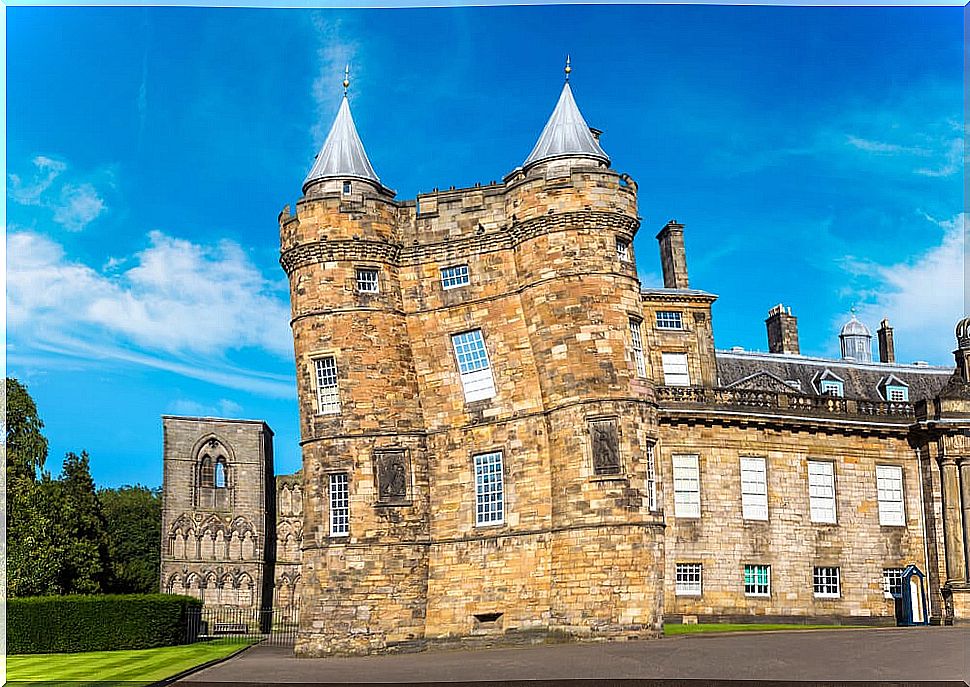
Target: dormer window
{"x": 897, "y": 394}
{"x": 831, "y": 387}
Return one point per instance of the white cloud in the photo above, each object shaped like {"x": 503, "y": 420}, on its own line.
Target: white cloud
{"x": 180, "y": 307}
{"x": 921, "y": 297}
{"x": 334, "y": 53}
{"x": 74, "y": 206}
{"x": 30, "y": 193}
{"x": 223, "y": 408}
{"x": 79, "y": 206}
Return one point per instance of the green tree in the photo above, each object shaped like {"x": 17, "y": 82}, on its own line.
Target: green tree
{"x": 85, "y": 565}
{"x": 34, "y": 546}
{"x": 26, "y": 446}
{"x": 134, "y": 519}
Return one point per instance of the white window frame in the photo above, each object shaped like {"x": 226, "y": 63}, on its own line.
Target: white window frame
{"x": 822, "y": 498}
{"x": 754, "y": 488}
{"x": 755, "y": 579}
{"x": 474, "y": 366}
{"x": 901, "y": 393}
{"x": 339, "y": 500}
{"x": 688, "y": 579}
{"x": 346, "y": 188}
{"x": 889, "y": 576}
{"x": 623, "y": 250}
{"x": 327, "y": 385}
{"x": 687, "y": 486}
{"x": 675, "y": 368}
{"x": 636, "y": 337}
{"x": 368, "y": 280}
{"x": 822, "y": 578}
{"x": 454, "y": 276}
{"x": 831, "y": 387}
{"x": 890, "y": 495}
{"x": 489, "y": 489}
{"x": 651, "y": 479}
{"x": 670, "y": 319}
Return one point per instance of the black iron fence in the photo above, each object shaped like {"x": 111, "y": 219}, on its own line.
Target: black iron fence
{"x": 230, "y": 624}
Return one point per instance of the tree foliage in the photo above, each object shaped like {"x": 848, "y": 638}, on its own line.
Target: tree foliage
{"x": 134, "y": 520}
{"x": 26, "y": 446}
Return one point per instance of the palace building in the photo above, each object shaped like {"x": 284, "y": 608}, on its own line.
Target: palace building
{"x": 507, "y": 437}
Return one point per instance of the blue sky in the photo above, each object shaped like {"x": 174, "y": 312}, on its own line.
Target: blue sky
{"x": 815, "y": 156}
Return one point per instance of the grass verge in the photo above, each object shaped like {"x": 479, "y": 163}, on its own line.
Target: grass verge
{"x": 139, "y": 666}
{"x": 740, "y": 627}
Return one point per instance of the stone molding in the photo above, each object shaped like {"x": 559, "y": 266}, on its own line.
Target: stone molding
{"x": 505, "y": 238}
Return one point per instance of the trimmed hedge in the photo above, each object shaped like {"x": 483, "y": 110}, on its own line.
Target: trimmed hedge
{"x": 68, "y": 624}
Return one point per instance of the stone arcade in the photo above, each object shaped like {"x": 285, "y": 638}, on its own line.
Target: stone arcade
{"x": 505, "y": 435}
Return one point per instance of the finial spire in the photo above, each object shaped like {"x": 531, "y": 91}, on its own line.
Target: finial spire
{"x": 346, "y": 78}
{"x": 568, "y": 68}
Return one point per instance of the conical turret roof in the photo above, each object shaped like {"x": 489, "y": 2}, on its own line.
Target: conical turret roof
{"x": 566, "y": 134}
{"x": 342, "y": 155}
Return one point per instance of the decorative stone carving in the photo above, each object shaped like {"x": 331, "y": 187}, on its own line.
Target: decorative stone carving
{"x": 392, "y": 471}
{"x": 605, "y": 439}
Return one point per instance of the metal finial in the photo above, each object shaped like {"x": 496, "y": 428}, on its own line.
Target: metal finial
{"x": 346, "y": 78}
{"x": 568, "y": 68}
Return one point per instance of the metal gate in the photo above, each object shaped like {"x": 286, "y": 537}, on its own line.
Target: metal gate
{"x": 228, "y": 624}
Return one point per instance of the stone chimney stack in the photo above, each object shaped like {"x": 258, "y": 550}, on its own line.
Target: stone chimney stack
{"x": 782, "y": 330}
{"x": 673, "y": 258}
{"x": 887, "y": 350}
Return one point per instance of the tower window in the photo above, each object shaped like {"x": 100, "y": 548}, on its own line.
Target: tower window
{"x": 623, "y": 250}
{"x": 637, "y": 340}
{"x": 489, "y": 489}
{"x": 651, "y": 479}
{"x": 219, "y": 477}
{"x": 454, "y": 276}
{"x": 476, "y": 372}
{"x": 339, "y": 505}
{"x": 346, "y": 188}
{"x": 669, "y": 319}
{"x": 367, "y": 280}
{"x": 328, "y": 395}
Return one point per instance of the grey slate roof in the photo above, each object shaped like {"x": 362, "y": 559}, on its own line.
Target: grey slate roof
{"x": 566, "y": 134}
{"x": 860, "y": 380}
{"x": 342, "y": 155}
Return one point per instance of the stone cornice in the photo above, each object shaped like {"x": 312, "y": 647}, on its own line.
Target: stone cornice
{"x": 504, "y": 238}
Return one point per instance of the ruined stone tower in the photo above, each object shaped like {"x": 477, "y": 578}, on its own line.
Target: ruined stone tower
{"x": 477, "y": 420}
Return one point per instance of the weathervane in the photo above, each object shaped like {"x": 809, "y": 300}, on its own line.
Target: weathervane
{"x": 346, "y": 78}
{"x": 568, "y": 68}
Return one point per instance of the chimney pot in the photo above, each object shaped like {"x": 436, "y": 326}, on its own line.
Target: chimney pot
{"x": 887, "y": 348}
{"x": 673, "y": 256}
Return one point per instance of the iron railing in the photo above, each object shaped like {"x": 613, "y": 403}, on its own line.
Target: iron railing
{"x": 229, "y": 624}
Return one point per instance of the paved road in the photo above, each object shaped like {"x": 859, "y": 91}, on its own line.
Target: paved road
{"x": 935, "y": 653}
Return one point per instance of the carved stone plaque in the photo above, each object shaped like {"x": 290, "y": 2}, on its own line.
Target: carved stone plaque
{"x": 392, "y": 473}
{"x": 606, "y": 447}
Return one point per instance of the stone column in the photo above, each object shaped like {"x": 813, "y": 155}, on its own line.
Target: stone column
{"x": 964, "y": 463}
{"x": 956, "y": 569}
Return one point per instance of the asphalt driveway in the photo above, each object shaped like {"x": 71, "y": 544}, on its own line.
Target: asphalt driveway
{"x": 896, "y": 654}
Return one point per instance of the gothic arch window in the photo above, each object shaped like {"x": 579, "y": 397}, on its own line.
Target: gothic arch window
{"x": 215, "y": 479}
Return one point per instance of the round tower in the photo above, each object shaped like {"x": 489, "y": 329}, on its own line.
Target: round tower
{"x": 573, "y": 222}
{"x": 364, "y": 460}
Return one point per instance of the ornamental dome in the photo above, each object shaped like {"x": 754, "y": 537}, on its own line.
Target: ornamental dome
{"x": 963, "y": 334}
{"x": 854, "y": 328}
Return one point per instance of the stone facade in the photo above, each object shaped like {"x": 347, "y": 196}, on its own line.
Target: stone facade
{"x": 506, "y": 437}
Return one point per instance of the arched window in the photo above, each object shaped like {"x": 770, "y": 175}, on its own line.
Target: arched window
{"x": 206, "y": 476}
{"x": 219, "y": 480}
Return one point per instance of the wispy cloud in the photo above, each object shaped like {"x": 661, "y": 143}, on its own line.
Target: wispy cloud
{"x": 925, "y": 294}
{"x": 74, "y": 205}
{"x": 334, "y": 52}
{"x": 223, "y": 408}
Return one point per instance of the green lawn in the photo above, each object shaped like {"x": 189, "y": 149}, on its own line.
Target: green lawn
{"x": 740, "y": 627}
{"x": 142, "y": 665}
